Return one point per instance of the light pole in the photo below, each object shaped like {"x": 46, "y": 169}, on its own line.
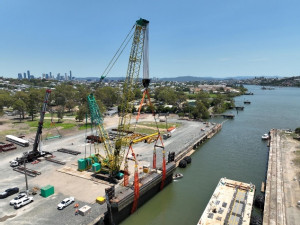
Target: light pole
{"x": 25, "y": 171}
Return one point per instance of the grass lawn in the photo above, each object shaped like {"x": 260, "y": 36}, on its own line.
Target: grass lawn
{"x": 47, "y": 124}
{"x": 161, "y": 125}
{"x": 143, "y": 130}
{"x": 55, "y": 114}
{"x": 83, "y": 126}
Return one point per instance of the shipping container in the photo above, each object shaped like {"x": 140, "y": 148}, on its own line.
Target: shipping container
{"x": 47, "y": 191}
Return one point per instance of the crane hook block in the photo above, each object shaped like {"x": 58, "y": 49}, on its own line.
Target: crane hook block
{"x": 146, "y": 83}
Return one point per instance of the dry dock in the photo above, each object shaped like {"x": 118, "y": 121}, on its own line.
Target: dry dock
{"x": 231, "y": 203}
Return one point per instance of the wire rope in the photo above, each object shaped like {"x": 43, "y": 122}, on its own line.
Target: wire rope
{"x": 117, "y": 54}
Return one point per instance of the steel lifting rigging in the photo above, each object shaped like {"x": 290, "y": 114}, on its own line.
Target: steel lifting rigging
{"x": 139, "y": 51}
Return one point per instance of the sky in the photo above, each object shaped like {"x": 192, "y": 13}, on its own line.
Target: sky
{"x": 203, "y": 38}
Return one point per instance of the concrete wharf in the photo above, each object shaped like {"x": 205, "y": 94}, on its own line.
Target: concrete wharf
{"x": 274, "y": 209}
{"x": 231, "y": 203}
{"x": 193, "y": 146}
{"x": 85, "y": 187}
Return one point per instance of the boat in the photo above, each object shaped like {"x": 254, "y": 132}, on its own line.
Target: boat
{"x": 177, "y": 176}
{"x": 265, "y": 137}
{"x": 247, "y": 102}
{"x": 288, "y": 131}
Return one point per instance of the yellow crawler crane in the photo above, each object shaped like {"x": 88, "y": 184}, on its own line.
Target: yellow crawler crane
{"x": 139, "y": 51}
{"x": 126, "y": 106}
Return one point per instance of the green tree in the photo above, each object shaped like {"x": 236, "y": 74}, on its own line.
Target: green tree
{"x": 64, "y": 93}
{"x": 204, "y": 114}
{"x": 5, "y": 100}
{"x": 20, "y": 99}
{"x": 20, "y": 106}
{"x": 81, "y": 94}
{"x": 204, "y": 97}
{"x": 166, "y": 95}
{"x": 107, "y": 95}
{"x": 218, "y": 104}
{"x": 138, "y": 94}
{"x": 150, "y": 109}
{"x": 34, "y": 102}
{"x": 81, "y": 113}
{"x": 60, "y": 113}
{"x": 70, "y": 104}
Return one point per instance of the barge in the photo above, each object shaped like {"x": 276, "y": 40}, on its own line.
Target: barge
{"x": 231, "y": 203}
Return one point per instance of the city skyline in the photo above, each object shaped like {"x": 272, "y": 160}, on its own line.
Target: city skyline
{"x": 191, "y": 38}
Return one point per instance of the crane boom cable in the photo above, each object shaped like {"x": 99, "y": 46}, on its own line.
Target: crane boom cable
{"x": 117, "y": 57}
{"x": 113, "y": 60}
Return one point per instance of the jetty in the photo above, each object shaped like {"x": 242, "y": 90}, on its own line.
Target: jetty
{"x": 241, "y": 108}
{"x": 227, "y": 116}
{"x": 274, "y": 209}
{"x": 231, "y": 203}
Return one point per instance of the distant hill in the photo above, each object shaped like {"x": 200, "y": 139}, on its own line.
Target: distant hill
{"x": 178, "y": 79}
{"x": 98, "y": 78}
{"x": 187, "y": 78}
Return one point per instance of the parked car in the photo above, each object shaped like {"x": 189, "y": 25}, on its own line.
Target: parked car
{"x": 24, "y": 201}
{"x": 9, "y": 192}
{"x": 20, "y": 196}
{"x": 65, "y": 203}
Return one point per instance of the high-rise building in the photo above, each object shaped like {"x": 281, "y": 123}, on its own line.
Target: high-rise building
{"x": 28, "y": 74}
{"x": 70, "y": 75}
{"x": 20, "y": 76}
{"x": 58, "y": 76}
{"x": 66, "y": 76}
{"x": 24, "y": 75}
{"x": 50, "y": 74}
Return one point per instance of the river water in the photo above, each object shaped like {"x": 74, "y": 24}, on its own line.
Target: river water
{"x": 236, "y": 152}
